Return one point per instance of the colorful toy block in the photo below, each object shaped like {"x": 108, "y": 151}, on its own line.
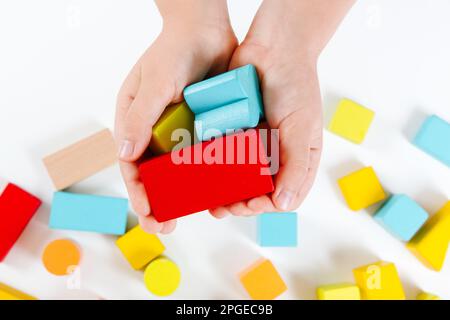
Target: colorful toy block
{"x": 17, "y": 207}
{"x": 379, "y": 281}
{"x": 60, "y": 257}
{"x": 177, "y": 116}
{"x": 431, "y": 243}
{"x": 343, "y": 291}
{"x": 8, "y": 293}
{"x": 277, "y": 229}
{"x": 351, "y": 121}
{"x": 82, "y": 159}
{"x": 92, "y": 213}
{"x": 433, "y": 138}
{"x": 361, "y": 189}
{"x": 140, "y": 247}
{"x": 162, "y": 277}
{"x": 401, "y": 216}
{"x": 199, "y": 175}
{"x": 231, "y": 100}
{"x": 427, "y": 296}
{"x": 262, "y": 281}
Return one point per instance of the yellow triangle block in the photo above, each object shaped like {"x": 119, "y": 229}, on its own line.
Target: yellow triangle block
{"x": 8, "y": 293}
{"x": 427, "y": 296}
{"x": 343, "y": 291}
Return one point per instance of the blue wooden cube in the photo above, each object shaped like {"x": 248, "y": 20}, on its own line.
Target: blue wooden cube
{"x": 278, "y": 229}
{"x": 401, "y": 216}
{"x": 229, "y": 101}
{"x": 434, "y": 138}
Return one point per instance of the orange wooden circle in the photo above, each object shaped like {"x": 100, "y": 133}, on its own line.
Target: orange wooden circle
{"x": 60, "y": 256}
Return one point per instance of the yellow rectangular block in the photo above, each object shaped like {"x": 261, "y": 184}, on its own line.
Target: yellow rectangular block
{"x": 262, "y": 281}
{"x": 351, "y": 120}
{"x": 361, "y": 189}
{"x": 430, "y": 244}
{"x": 427, "y": 296}
{"x": 379, "y": 281}
{"x": 139, "y": 247}
{"x": 177, "y": 116}
{"x": 8, "y": 293}
{"x": 343, "y": 291}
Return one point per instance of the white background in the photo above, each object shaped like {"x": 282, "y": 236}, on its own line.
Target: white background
{"x": 61, "y": 64}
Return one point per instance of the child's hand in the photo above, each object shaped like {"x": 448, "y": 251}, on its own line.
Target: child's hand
{"x": 188, "y": 48}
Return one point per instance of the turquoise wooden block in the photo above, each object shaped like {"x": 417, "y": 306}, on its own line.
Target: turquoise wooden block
{"x": 92, "y": 213}
{"x": 401, "y": 216}
{"x": 434, "y": 138}
{"x": 278, "y": 229}
{"x": 229, "y": 101}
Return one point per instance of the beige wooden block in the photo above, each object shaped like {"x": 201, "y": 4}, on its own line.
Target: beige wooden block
{"x": 81, "y": 159}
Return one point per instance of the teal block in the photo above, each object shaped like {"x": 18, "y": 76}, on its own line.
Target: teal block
{"x": 434, "y": 138}
{"x": 92, "y": 213}
{"x": 401, "y": 216}
{"x": 278, "y": 229}
{"x": 229, "y": 101}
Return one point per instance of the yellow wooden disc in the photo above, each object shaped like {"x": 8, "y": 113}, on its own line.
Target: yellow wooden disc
{"x": 60, "y": 256}
{"x": 162, "y": 277}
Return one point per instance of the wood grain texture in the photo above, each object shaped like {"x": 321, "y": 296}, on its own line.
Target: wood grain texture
{"x": 82, "y": 159}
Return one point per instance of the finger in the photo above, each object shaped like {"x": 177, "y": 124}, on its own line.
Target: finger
{"x": 150, "y": 225}
{"x": 219, "y": 212}
{"x": 240, "y": 209}
{"x": 135, "y": 188}
{"x": 261, "y": 204}
{"x": 168, "y": 226}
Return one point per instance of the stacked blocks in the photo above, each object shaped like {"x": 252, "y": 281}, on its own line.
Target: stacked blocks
{"x": 140, "y": 247}
{"x": 434, "y": 138}
{"x": 401, "y": 216}
{"x": 361, "y": 189}
{"x": 351, "y": 121}
{"x": 236, "y": 172}
{"x": 431, "y": 243}
{"x": 177, "y": 116}
{"x": 345, "y": 291}
{"x": 17, "y": 207}
{"x": 262, "y": 281}
{"x": 89, "y": 213}
{"x": 162, "y": 277}
{"x": 231, "y": 100}
{"x": 379, "y": 281}
{"x": 60, "y": 257}
{"x": 277, "y": 229}
{"x": 427, "y": 296}
{"x": 8, "y": 293}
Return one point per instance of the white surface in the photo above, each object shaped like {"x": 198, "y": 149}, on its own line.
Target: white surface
{"x": 61, "y": 64}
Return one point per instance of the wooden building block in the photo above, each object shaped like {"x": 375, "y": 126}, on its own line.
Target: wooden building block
{"x": 177, "y": 116}
{"x": 207, "y": 175}
{"x": 342, "y": 291}
{"x": 379, "y": 281}
{"x": 162, "y": 277}
{"x": 351, "y": 121}
{"x": 140, "y": 247}
{"x": 17, "y": 207}
{"x": 278, "y": 229}
{"x": 8, "y": 293}
{"x": 430, "y": 244}
{"x": 92, "y": 213}
{"x": 262, "y": 281}
{"x": 361, "y": 189}
{"x": 427, "y": 296}
{"x": 60, "y": 257}
{"x": 81, "y": 160}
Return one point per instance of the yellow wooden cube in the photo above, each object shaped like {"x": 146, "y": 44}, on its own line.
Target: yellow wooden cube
{"x": 8, "y": 293}
{"x": 431, "y": 243}
{"x": 427, "y": 296}
{"x": 379, "y": 281}
{"x": 343, "y": 291}
{"x": 262, "y": 281}
{"x": 351, "y": 120}
{"x": 139, "y": 247}
{"x": 361, "y": 189}
{"x": 177, "y": 116}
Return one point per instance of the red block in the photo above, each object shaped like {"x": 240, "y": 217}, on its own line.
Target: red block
{"x": 214, "y": 173}
{"x": 17, "y": 207}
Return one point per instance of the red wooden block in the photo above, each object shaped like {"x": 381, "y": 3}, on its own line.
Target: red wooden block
{"x": 225, "y": 170}
{"x": 17, "y": 207}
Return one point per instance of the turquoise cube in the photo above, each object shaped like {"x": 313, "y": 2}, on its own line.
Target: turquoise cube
{"x": 229, "y": 101}
{"x": 434, "y": 138}
{"x": 401, "y": 216}
{"x": 278, "y": 229}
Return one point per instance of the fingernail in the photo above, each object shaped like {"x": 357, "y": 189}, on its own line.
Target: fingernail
{"x": 284, "y": 199}
{"x": 126, "y": 149}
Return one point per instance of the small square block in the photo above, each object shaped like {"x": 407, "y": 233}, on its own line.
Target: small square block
{"x": 351, "y": 121}
{"x": 379, "y": 281}
{"x": 401, "y": 216}
{"x": 427, "y": 296}
{"x": 262, "y": 281}
{"x": 361, "y": 189}
{"x": 277, "y": 229}
{"x": 434, "y": 138}
{"x": 344, "y": 291}
{"x": 140, "y": 247}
